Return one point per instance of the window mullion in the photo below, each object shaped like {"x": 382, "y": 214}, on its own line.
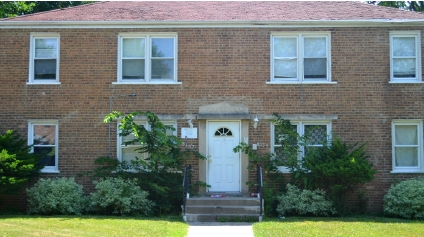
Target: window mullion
{"x": 300, "y": 58}
{"x": 148, "y": 60}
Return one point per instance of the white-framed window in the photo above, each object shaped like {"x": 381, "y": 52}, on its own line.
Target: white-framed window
{"x": 43, "y": 135}
{"x": 44, "y": 58}
{"x": 405, "y": 56}
{"x": 317, "y": 132}
{"x": 301, "y": 57}
{"x": 147, "y": 58}
{"x": 407, "y": 145}
{"x": 128, "y": 153}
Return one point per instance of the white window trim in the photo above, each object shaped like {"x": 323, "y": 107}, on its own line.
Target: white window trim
{"x": 31, "y": 124}
{"x": 417, "y": 36}
{"x": 300, "y": 66}
{"x": 300, "y": 125}
{"x": 412, "y": 169}
{"x": 148, "y": 37}
{"x": 119, "y": 144}
{"x": 31, "y": 79}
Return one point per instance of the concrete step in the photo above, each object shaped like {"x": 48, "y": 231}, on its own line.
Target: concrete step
{"x": 228, "y": 208}
{"x": 223, "y": 209}
{"x": 221, "y": 218}
{"x": 224, "y": 201}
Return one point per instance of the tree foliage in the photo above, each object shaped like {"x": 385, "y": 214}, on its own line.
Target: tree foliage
{"x": 416, "y": 6}
{"x": 16, "y": 8}
{"x": 335, "y": 167}
{"x": 156, "y": 168}
{"x": 17, "y": 164}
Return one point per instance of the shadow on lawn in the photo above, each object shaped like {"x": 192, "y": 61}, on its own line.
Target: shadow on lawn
{"x": 87, "y": 217}
{"x": 364, "y": 218}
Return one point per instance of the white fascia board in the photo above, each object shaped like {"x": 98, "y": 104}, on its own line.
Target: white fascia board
{"x": 208, "y": 24}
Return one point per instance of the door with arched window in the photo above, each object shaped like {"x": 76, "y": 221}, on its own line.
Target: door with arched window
{"x": 223, "y": 164}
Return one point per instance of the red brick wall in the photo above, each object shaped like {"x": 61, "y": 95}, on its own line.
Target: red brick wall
{"x": 214, "y": 65}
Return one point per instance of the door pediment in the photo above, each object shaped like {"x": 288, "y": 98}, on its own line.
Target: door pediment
{"x": 223, "y": 110}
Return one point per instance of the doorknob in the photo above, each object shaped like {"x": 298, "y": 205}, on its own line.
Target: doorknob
{"x": 210, "y": 161}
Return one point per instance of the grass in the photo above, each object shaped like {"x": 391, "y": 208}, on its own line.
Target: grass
{"x": 347, "y": 226}
{"x": 25, "y": 225}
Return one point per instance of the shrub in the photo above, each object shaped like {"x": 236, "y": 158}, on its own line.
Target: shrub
{"x": 17, "y": 163}
{"x": 304, "y": 202}
{"x": 405, "y": 199}
{"x": 56, "y": 196}
{"x": 120, "y": 197}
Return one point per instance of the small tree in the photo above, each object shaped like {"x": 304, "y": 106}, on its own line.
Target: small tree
{"x": 17, "y": 164}
{"x": 335, "y": 167}
{"x": 163, "y": 156}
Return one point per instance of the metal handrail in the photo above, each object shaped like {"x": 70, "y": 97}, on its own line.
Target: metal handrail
{"x": 260, "y": 186}
{"x": 186, "y": 186}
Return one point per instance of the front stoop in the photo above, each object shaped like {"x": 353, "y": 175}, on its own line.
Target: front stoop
{"x": 224, "y": 209}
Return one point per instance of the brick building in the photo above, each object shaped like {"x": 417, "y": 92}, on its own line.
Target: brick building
{"x": 347, "y": 67}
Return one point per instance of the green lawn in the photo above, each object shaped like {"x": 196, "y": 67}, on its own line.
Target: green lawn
{"x": 95, "y": 226}
{"x": 347, "y": 226}
{"x": 26, "y": 225}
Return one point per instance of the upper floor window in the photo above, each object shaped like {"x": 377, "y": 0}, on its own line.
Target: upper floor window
{"x": 405, "y": 56}
{"x": 407, "y": 146}
{"x": 44, "y": 58}
{"x": 43, "y": 135}
{"x": 148, "y": 58}
{"x": 316, "y": 133}
{"x": 301, "y": 57}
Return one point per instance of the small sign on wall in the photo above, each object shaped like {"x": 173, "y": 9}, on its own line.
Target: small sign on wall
{"x": 188, "y": 132}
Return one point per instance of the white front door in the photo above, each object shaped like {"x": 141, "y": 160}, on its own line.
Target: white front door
{"x": 223, "y": 164}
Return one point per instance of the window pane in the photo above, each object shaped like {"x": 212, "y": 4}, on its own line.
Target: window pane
{"x": 44, "y": 134}
{"x": 285, "y": 68}
{"x": 45, "y": 69}
{"x": 285, "y": 47}
{"x": 315, "y": 47}
{"x": 316, "y": 134}
{"x": 163, "y": 47}
{"x": 46, "y": 48}
{"x": 406, "y": 135}
{"x": 406, "y": 156}
{"x": 281, "y": 158}
{"x": 169, "y": 131}
{"x": 404, "y": 46}
{"x": 128, "y": 138}
{"x": 315, "y": 68}
{"x": 133, "y": 47}
{"x": 404, "y": 67}
{"x": 162, "y": 69}
{"x": 280, "y": 135}
{"x": 133, "y": 69}
{"x": 49, "y": 157}
{"x": 130, "y": 153}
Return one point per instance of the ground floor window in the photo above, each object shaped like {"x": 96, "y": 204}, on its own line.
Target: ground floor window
{"x": 316, "y": 131}
{"x": 128, "y": 153}
{"x": 407, "y": 145}
{"x": 43, "y": 135}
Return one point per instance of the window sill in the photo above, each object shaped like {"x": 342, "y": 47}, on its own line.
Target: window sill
{"x": 406, "y": 82}
{"x": 148, "y": 83}
{"x": 407, "y": 172}
{"x": 299, "y": 83}
{"x": 43, "y": 83}
{"x": 44, "y": 171}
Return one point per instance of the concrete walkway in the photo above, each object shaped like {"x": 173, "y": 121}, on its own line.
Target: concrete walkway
{"x": 220, "y": 229}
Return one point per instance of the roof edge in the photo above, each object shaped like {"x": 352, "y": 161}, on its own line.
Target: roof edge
{"x": 210, "y": 24}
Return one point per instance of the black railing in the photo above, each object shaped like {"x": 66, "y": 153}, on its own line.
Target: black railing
{"x": 186, "y": 186}
{"x": 260, "y": 186}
